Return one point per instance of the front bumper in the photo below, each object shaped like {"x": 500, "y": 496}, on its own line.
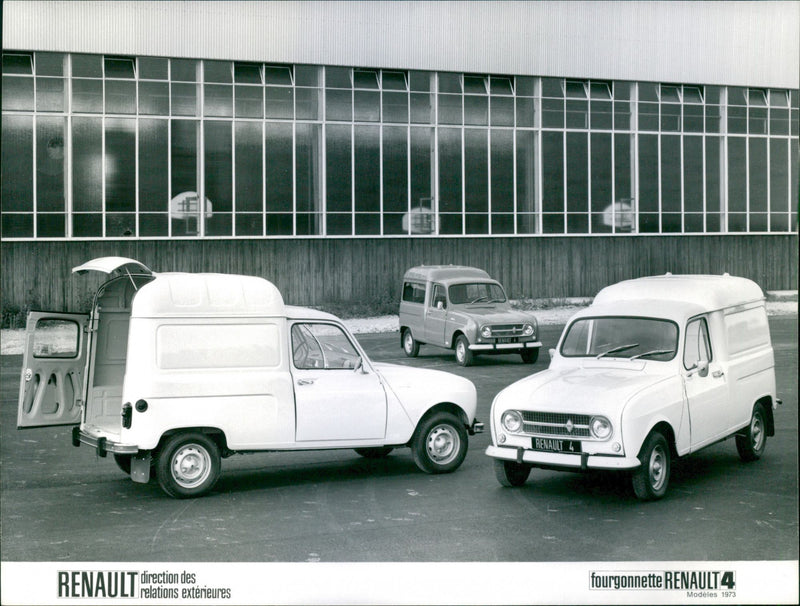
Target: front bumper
{"x": 555, "y": 460}
{"x": 504, "y": 346}
{"x": 101, "y": 444}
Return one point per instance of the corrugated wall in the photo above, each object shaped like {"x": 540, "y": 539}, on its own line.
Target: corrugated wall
{"x": 319, "y": 271}
{"x": 733, "y": 43}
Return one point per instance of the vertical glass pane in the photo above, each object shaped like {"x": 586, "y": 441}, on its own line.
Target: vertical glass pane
{"x": 185, "y": 207}
{"x": 87, "y": 166}
{"x": 366, "y": 106}
{"x": 422, "y": 109}
{"x": 307, "y": 103}
{"x": 578, "y": 114}
{"x": 450, "y": 201}
{"x": 737, "y": 120}
{"x": 526, "y": 182}
{"x": 367, "y": 169}
{"x": 338, "y": 104}
{"x": 218, "y": 100}
{"x": 552, "y": 113}
{"x": 553, "y": 182}
{"x": 450, "y": 109}
{"x": 757, "y": 121}
{"x": 248, "y": 101}
{"x": 87, "y": 96}
{"x": 671, "y": 173}
{"x": 184, "y": 99}
{"x": 153, "y": 68}
{"x": 670, "y": 117}
{"x": 601, "y": 115}
{"x": 307, "y": 75}
{"x": 50, "y": 95}
{"x": 153, "y": 174}
{"x": 87, "y": 66}
{"x": 602, "y": 182}
{"x": 395, "y": 172}
{"x": 779, "y": 184}
{"x": 758, "y": 182}
{"x": 17, "y": 93}
{"x": 422, "y": 181}
{"x": 51, "y": 64}
{"x": 713, "y": 172}
{"x": 578, "y": 181}
{"x": 648, "y": 184}
{"x": 120, "y": 96}
{"x": 217, "y": 71}
{"x": 309, "y": 178}
{"x": 395, "y": 107}
{"x": 648, "y": 116}
{"x": 249, "y": 186}
{"x": 50, "y": 164}
{"x": 693, "y": 174}
{"x": 184, "y": 70}
{"x": 16, "y": 167}
{"x": 279, "y": 102}
{"x": 502, "y": 170}
{"x": 623, "y": 167}
{"x": 476, "y": 180}
{"x": 622, "y": 115}
{"x": 154, "y": 98}
{"x": 278, "y": 160}
{"x": 120, "y": 173}
{"x": 526, "y": 112}
{"x": 476, "y": 110}
{"x": 737, "y": 184}
{"x": 338, "y": 170}
{"x": 502, "y": 111}
{"x": 219, "y": 178}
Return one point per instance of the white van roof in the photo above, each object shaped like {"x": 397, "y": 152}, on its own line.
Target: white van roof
{"x": 709, "y": 292}
{"x": 207, "y": 295}
{"x": 444, "y": 273}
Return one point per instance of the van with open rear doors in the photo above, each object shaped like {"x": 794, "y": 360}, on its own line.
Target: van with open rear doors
{"x": 171, "y": 372}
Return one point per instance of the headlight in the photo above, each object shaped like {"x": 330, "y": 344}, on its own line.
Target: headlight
{"x": 486, "y": 332}
{"x": 601, "y": 427}
{"x": 511, "y": 420}
{"x": 527, "y": 330}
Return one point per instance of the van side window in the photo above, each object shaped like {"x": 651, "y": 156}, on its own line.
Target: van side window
{"x": 413, "y": 292}
{"x": 438, "y": 296}
{"x": 54, "y": 338}
{"x": 698, "y": 346}
{"x": 324, "y": 346}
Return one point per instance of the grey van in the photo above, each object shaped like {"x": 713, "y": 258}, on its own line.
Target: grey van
{"x": 463, "y": 309}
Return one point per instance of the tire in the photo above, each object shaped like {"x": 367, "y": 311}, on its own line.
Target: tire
{"x": 188, "y": 465}
{"x": 529, "y": 356}
{"x": 753, "y": 441}
{"x": 380, "y": 452}
{"x": 511, "y": 473}
{"x": 440, "y": 443}
{"x": 651, "y": 479}
{"x": 410, "y": 345}
{"x": 463, "y": 353}
{"x": 123, "y": 461}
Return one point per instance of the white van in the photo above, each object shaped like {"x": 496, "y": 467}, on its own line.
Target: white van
{"x": 170, "y": 372}
{"x": 655, "y": 368}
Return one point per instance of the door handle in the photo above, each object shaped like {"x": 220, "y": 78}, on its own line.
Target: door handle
{"x": 305, "y": 381}
{"x": 717, "y": 374}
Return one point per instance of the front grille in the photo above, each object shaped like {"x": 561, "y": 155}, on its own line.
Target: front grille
{"x": 507, "y": 330}
{"x": 554, "y": 424}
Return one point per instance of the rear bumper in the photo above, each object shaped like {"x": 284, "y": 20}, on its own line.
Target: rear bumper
{"x": 484, "y": 347}
{"x": 554, "y": 460}
{"x": 101, "y": 444}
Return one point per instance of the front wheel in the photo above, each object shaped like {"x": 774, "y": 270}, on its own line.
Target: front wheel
{"x": 188, "y": 465}
{"x": 410, "y": 345}
{"x": 463, "y": 353}
{"x": 651, "y": 479}
{"x": 440, "y": 443}
{"x": 753, "y": 441}
{"x": 529, "y": 356}
{"x": 511, "y": 473}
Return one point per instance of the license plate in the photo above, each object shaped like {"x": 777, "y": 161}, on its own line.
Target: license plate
{"x": 556, "y": 445}
{"x": 507, "y": 340}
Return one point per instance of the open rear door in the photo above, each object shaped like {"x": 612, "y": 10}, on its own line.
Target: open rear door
{"x": 51, "y": 385}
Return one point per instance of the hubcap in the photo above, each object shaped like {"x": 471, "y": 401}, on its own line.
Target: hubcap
{"x": 443, "y": 444}
{"x": 757, "y": 432}
{"x": 657, "y": 467}
{"x": 408, "y": 342}
{"x": 191, "y": 465}
{"x": 460, "y": 351}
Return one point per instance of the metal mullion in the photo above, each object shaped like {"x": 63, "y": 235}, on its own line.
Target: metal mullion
{"x": 103, "y": 166}
{"x": 589, "y": 172}
{"x": 353, "y": 173}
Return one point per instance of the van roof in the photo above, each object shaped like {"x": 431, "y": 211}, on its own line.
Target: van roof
{"x": 207, "y": 295}
{"x": 708, "y": 292}
{"x": 445, "y": 273}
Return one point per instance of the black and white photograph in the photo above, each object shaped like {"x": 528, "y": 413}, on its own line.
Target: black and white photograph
{"x": 399, "y": 302}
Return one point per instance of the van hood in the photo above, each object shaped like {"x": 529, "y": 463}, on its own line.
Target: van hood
{"x": 419, "y": 388}
{"x": 500, "y": 314}
{"x": 581, "y": 390}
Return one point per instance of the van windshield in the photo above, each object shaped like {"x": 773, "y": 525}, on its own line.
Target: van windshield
{"x": 621, "y": 337}
{"x": 476, "y": 292}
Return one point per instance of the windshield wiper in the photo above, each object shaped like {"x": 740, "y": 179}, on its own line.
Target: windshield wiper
{"x": 654, "y": 352}
{"x": 616, "y": 349}
{"x": 478, "y": 300}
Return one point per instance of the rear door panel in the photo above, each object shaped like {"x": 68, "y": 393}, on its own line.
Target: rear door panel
{"x": 51, "y": 384}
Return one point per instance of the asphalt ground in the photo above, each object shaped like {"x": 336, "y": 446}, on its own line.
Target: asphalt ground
{"x": 60, "y": 503}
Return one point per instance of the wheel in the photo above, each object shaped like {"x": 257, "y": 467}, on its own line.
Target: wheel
{"x": 410, "y": 345}
{"x": 529, "y": 356}
{"x": 188, "y": 465}
{"x": 511, "y": 473}
{"x": 440, "y": 443}
{"x": 123, "y": 461}
{"x": 375, "y": 453}
{"x": 651, "y": 479}
{"x": 463, "y": 353}
{"x": 752, "y": 443}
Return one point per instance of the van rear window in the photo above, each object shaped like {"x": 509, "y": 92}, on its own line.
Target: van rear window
{"x": 190, "y": 346}
{"x": 413, "y": 292}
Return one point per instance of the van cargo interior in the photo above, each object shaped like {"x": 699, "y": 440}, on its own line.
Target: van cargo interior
{"x": 110, "y": 318}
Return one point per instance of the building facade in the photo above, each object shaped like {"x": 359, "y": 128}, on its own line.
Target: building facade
{"x": 113, "y": 138}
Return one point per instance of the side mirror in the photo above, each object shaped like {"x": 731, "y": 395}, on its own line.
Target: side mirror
{"x": 359, "y": 367}
{"x": 552, "y": 353}
{"x": 439, "y": 304}
{"x": 700, "y": 368}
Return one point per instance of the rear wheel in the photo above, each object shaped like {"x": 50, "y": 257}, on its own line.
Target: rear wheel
{"x": 511, "y": 473}
{"x": 651, "y": 479}
{"x": 410, "y": 345}
{"x": 463, "y": 353}
{"x": 375, "y": 453}
{"x": 529, "y": 356}
{"x": 188, "y": 465}
{"x": 753, "y": 441}
{"x": 440, "y": 443}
